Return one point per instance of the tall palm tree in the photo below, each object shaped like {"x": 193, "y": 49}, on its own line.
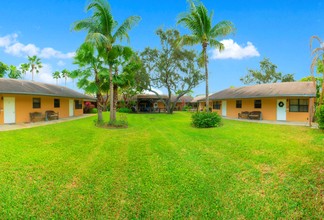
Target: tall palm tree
{"x": 24, "y": 67}
{"x": 318, "y": 60}
{"x": 35, "y": 64}
{"x": 199, "y": 22}
{"x": 103, "y": 31}
{"x": 65, "y": 74}
{"x": 56, "y": 75}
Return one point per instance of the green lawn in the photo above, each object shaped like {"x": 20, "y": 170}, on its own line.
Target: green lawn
{"x": 161, "y": 167}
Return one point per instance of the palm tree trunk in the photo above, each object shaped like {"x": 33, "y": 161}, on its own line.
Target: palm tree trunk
{"x": 115, "y": 97}
{"x": 111, "y": 89}
{"x": 206, "y": 75}
{"x": 99, "y": 107}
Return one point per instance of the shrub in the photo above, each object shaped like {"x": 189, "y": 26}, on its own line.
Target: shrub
{"x": 93, "y": 110}
{"x": 124, "y": 110}
{"x": 320, "y": 116}
{"x": 206, "y": 120}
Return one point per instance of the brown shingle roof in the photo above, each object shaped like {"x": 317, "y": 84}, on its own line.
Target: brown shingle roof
{"x": 198, "y": 98}
{"x": 24, "y": 87}
{"x": 286, "y": 89}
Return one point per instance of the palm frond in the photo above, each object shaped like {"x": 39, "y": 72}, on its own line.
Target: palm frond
{"x": 216, "y": 44}
{"x": 222, "y": 29}
{"x": 316, "y": 38}
{"x": 128, "y": 24}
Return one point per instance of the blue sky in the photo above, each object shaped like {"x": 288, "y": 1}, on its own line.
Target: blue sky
{"x": 276, "y": 29}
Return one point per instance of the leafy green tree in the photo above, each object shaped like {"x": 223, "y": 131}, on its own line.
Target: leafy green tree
{"x": 318, "y": 82}
{"x": 266, "y": 74}
{"x": 172, "y": 67}
{"x": 103, "y": 31}
{"x": 14, "y": 72}
{"x": 199, "y": 22}
{"x": 56, "y": 75}
{"x": 92, "y": 74}
{"x": 35, "y": 64}
{"x": 3, "y": 69}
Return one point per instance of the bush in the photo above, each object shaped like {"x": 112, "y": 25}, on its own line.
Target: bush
{"x": 320, "y": 116}
{"x": 124, "y": 110}
{"x": 93, "y": 110}
{"x": 206, "y": 119}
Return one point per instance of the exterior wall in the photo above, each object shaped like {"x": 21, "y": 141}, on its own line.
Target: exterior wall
{"x": 1, "y": 110}
{"x": 268, "y": 109}
{"x": 24, "y": 106}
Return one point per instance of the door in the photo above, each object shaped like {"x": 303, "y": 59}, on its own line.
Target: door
{"x": 224, "y": 108}
{"x": 71, "y": 107}
{"x": 9, "y": 110}
{"x": 281, "y": 109}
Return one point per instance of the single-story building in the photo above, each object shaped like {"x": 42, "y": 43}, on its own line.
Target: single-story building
{"x": 19, "y": 98}
{"x": 287, "y": 101}
{"x": 152, "y": 103}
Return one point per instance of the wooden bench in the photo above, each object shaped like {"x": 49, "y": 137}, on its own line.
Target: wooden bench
{"x": 51, "y": 115}
{"x": 243, "y": 115}
{"x": 36, "y": 116}
{"x": 256, "y": 115}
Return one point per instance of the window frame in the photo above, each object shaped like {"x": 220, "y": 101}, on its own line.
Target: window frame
{"x": 258, "y": 105}
{"x": 55, "y": 103}
{"x": 77, "y": 104}
{"x": 238, "y": 104}
{"x": 37, "y": 104}
{"x": 298, "y": 105}
{"x": 217, "y": 105}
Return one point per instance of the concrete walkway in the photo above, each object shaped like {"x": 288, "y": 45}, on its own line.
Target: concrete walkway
{"x": 10, "y": 127}
{"x": 292, "y": 123}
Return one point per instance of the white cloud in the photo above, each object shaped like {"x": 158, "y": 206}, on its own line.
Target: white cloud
{"x": 15, "y": 48}
{"x": 7, "y": 40}
{"x": 60, "y": 63}
{"x": 19, "y": 49}
{"x": 44, "y": 75}
{"x": 49, "y": 52}
{"x": 235, "y": 51}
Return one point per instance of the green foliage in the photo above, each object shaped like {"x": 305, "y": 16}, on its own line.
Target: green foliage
{"x": 320, "y": 116}
{"x": 318, "y": 82}
{"x": 206, "y": 119}
{"x": 171, "y": 67}
{"x": 93, "y": 110}
{"x": 266, "y": 74}
{"x": 14, "y": 73}
{"x": 3, "y": 69}
{"x": 124, "y": 110}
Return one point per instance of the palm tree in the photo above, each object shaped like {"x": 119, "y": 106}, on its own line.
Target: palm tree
{"x": 14, "y": 72}
{"x": 56, "y": 75}
{"x": 103, "y": 32}
{"x": 24, "y": 67}
{"x": 35, "y": 64}
{"x": 199, "y": 22}
{"x": 318, "y": 60}
{"x": 65, "y": 74}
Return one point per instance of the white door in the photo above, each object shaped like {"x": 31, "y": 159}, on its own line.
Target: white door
{"x": 71, "y": 107}
{"x": 224, "y": 108}
{"x": 9, "y": 110}
{"x": 281, "y": 109}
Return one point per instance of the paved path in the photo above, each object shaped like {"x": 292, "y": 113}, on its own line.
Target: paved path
{"x": 314, "y": 125}
{"x": 41, "y": 123}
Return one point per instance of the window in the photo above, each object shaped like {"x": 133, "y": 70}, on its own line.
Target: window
{"x": 298, "y": 105}
{"x": 56, "y": 103}
{"x": 238, "y": 103}
{"x": 217, "y": 105}
{"x": 257, "y": 104}
{"x": 77, "y": 104}
{"x": 36, "y": 103}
